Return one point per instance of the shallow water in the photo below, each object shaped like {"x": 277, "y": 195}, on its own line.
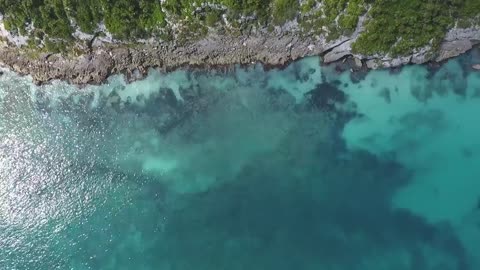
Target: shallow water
{"x": 301, "y": 168}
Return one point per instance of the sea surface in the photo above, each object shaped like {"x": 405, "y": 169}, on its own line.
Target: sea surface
{"x": 310, "y": 167}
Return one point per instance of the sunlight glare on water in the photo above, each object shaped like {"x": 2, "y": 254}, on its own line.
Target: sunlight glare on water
{"x": 301, "y": 168}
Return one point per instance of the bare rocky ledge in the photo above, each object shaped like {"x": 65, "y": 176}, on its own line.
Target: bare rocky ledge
{"x": 272, "y": 49}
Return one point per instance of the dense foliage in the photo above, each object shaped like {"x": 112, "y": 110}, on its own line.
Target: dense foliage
{"x": 393, "y": 26}
{"x": 56, "y": 18}
{"x": 284, "y": 10}
{"x": 400, "y": 26}
{"x": 337, "y": 17}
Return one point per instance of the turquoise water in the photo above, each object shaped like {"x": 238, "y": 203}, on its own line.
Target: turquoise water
{"x": 302, "y": 168}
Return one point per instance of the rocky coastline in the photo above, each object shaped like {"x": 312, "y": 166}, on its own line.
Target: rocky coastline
{"x": 96, "y": 63}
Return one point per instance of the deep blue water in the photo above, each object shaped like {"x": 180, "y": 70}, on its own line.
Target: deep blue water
{"x": 302, "y": 168}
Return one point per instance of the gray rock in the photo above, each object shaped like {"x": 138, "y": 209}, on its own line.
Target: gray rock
{"x": 395, "y": 62}
{"x": 462, "y": 34}
{"x": 358, "y": 62}
{"x": 453, "y": 48}
{"x": 338, "y": 52}
{"x": 109, "y": 56}
{"x": 372, "y": 63}
{"x": 419, "y": 58}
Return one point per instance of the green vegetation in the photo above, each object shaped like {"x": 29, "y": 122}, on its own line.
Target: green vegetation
{"x": 400, "y": 26}
{"x": 348, "y": 19}
{"x": 87, "y": 13}
{"x": 193, "y": 10}
{"x": 48, "y": 15}
{"x": 284, "y": 10}
{"x": 324, "y": 20}
{"x": 123, "y": 18}
{"x": 393, "y": 26}
{"x": 469, "y": 13}
{"x": 127, "y": 19}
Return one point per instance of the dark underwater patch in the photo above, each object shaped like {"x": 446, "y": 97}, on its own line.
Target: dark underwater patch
{"x": 325, "y": 96}
{"x": 308, "y": 202}
{"x": 314, "y": 219}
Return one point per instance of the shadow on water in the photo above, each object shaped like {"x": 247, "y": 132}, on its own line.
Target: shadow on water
{"x": 329, "y": 214}
{"x": 303, "y": 206}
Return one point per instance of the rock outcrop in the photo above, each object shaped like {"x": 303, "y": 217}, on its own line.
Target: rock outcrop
{"x": 275, "y": 48}
{"x": 457, "y": 41}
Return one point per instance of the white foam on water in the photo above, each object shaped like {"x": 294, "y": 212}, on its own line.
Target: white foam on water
{"x": 96, "y": 100}
{"x": 153, "y": 83}
{"x": 159, "y": 165}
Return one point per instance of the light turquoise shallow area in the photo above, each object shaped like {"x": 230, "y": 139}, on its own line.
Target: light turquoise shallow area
{"x": 301, "y": 168}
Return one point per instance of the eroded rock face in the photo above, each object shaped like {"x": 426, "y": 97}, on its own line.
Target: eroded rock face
{"x": 463, "y": 34}
{"x": 339, "y": 52}
{"x": 97, "y": 65}
{"x": 271, "y": 48}
{"x": 454, "y": 48}
{"x": 17, "y": 40}
{"x": 458, "y": 41}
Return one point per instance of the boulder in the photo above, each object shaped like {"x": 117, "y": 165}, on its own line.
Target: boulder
{"x": 454, "y": 48}
{"x": 338, "y": 52}
{"x": 358, "y": 62}
{"x": 372, "y": 64}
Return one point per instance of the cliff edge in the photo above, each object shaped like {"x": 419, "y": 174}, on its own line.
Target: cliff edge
{"x": 85, "y": 41}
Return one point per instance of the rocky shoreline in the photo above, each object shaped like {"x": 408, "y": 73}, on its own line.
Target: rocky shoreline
{"x": 96, "y": 64}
